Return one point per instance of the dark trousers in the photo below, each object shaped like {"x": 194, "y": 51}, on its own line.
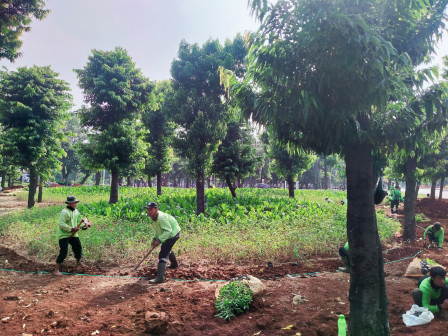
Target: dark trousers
{"x": 394, "y": 202}
{"x": 63, "y": 248}
{"x": 165, "y": 250}
{"x": 344, "y": 254}
{"x": 432, "y": 238}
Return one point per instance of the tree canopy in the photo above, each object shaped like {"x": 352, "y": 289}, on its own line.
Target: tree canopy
{"x": 115, "y": 92}
{"x": 198, "y": 104}
{"x": 34, "y": 105}
{"x": 15, "y": 18}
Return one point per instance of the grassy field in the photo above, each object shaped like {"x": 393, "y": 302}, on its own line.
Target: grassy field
{"x": 260, "y": 224}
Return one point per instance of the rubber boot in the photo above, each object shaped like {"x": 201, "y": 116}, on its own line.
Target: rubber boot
{"x": 57, "y": 270}
{"x": 346, "y": 267}
{"x": 173, "y": 260}
{"x": 417, "y": 295}
{"x": 161, "y": 269}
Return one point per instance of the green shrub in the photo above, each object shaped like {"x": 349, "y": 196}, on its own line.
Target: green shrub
{"x": 234, "y": 298}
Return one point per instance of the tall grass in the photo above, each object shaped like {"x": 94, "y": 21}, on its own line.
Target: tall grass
{"x": 260, "y": 224}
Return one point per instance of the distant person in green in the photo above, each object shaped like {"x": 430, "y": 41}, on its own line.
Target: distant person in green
{"x": 69, "y": 224}
{"x": 167, "y": 233}
{"x": 432, "y": 291}
{"x": 435, "y": 234}
{"x": 343, "y": 252}
{"x": 395, "y": 198}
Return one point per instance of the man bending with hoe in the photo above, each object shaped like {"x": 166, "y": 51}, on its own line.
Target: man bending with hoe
{"x": 432, "y": 292}
{"x": 167, "y": 233}
{"x": 69, "y": 224}
{"x": 435, "y": 234}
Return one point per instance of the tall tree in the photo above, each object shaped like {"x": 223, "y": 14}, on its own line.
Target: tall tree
{"x": 421, "y": 139}
{"x": 160, "y": 135}
{"x": 236, "y": 157}
{"x": 34, "y": 105}
{"x": 326, "y": 69}
{"x": 15, "y": 18}
{"x": 115, "y": 92}
{"x": 289, "y": 163}
{"x": 199, "y": 103}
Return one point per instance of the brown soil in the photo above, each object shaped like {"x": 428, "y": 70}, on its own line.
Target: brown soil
{"x": 113, "y": 301}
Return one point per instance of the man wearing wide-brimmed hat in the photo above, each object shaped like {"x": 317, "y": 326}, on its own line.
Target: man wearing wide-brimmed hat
{"x": 70, "y": 222}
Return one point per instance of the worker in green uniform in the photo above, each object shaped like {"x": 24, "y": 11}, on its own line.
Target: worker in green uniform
{"x": 167, "y": 232}
{"x": 432, "y": 291}
{"x": 435, "y": 234}
{"x": 70, "y": 222}
{"x": 395, "y": 199}
{"x": 343, "y": 252}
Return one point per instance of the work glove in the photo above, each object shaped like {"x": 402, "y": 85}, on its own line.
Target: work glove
{"x": 75, "y": 229}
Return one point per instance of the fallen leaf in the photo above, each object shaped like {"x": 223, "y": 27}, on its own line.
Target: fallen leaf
{"x": 288, "y": 327}
{"x": 257, "y": 333}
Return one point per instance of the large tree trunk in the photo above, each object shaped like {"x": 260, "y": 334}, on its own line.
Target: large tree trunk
{"x": 159, "y": 183}
{"x": 65, "y": 171}
{"x": 417, "y": 188}
{"x": 433, "y": 189}
{"x": 86, "y": 176}
{"x": 209, "y": 182}
{"x": 39, "y": 195}
{"x": 3, "y": 180}
{"x": 231, "y": 188}
{"x": 442, "y": 182}
{"x": 367, "y": 295}
{"x": 409, "y": 199}
{"x": 325, "y": 173}
{"x": 32, "y": 187}
{"x": 200, "y": 194}
{"x": 114, "y": 188}
{"x": 97, "y": 178}
{"x": 290, "y": 186}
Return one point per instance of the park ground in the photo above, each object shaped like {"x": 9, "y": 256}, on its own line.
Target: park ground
{"x": 115, "y": 300}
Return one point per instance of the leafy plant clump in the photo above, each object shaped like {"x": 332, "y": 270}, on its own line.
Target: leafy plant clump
{"x": 234, "y": 298}
{"x": 421, "y": 218}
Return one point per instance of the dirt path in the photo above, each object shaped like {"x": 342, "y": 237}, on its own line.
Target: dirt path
{"x": 114, "y": 301}
{"x": 10, "y": 202}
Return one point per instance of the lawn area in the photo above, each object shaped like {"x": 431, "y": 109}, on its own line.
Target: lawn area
{"x": 259, "y": 224}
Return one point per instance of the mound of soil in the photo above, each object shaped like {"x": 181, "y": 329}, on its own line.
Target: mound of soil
{"x": 432, "y": 208}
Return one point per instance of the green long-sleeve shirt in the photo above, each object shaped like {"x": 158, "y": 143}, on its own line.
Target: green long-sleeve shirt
{"x": 68, "y": 219}
{"x": 166, "y": 227}
{"x": 395, "y": 195}
{"x": 437, "y": 234}
{"x": 429, "y": 293}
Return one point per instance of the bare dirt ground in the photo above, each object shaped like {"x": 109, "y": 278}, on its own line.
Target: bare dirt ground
{"x": 114, "y": 301}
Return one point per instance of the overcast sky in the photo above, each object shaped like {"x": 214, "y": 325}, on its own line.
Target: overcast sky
{"x": 150, "y": 30}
